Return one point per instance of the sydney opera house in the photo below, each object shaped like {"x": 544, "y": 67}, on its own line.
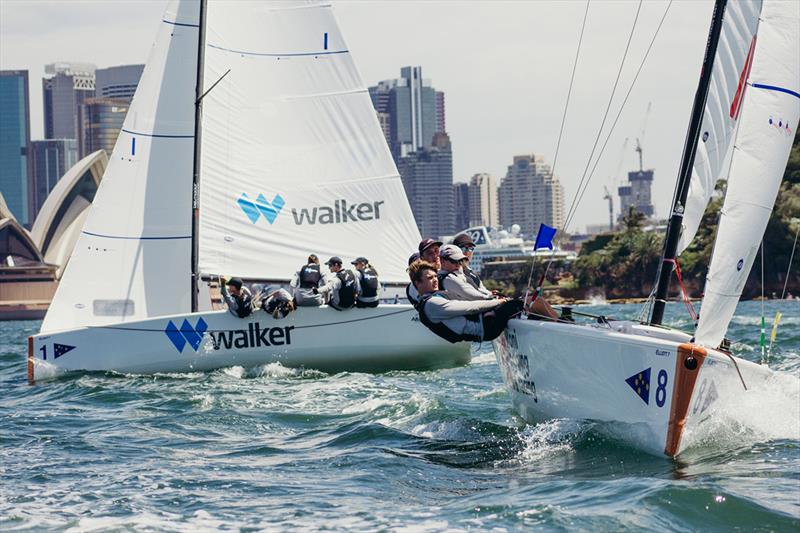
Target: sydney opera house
{"x": 32, "y": 262}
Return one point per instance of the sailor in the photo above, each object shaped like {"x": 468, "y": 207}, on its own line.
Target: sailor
{"x": 342, "y": 286}
{"x": 411, "y": 291}
{"x": 305, "y": 280}
{"x": 464, "y": 241}
{"x": 454, "y": 320}
{"x": 452, "y": 278}
{"x": 429, "y": 251}
{"x": 368, "y": 283}
{"x": 237, "y": 297}
{"x": 277, "y": 301}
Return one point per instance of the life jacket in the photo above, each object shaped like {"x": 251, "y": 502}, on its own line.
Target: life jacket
{"x": 440, "y": 328}
{"x": 441, "y": 275}
{"x": 369, "y": 283}
{"x": 310, "y": 276}
{"x": 413, "y": 301}
{"x": 347, "y": 290}
{"x": 472, "y": 278}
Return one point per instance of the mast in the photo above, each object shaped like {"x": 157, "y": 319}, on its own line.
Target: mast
{"x": 198, "y": 114}
{"x": 687, "y": 163}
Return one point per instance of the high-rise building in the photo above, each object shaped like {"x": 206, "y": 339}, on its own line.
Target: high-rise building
{"x": 117, "y": 82}
{"x": 530, "y": 195}
{"x": 461, "y": 206}
{"x": 414, "y": 109}
{"x": 51, "y": 160}
{"x": 63, "y": 92}
{"x": 428, "y": 181}
{"x": 101, "y": 122}
{"x": 637, "y": 193}
{"x": 15, "y": 137}
{"x": 483, "y": 209}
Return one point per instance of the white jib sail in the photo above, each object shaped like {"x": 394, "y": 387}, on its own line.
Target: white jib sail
{"x": 132, "y": 259}
{"x": 769, "y": 119}
{"x": 721, "y": 112}
{"x": 293, "y": 158}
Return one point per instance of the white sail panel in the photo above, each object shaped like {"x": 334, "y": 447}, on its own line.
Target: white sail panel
{"x": 769, "y": 119}
{"x": 293, "y": 158}
{"x": 132, "y": 260}
{"x": 721, "y": 111}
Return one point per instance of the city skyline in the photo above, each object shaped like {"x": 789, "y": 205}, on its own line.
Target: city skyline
{"x": 505, "y": 91}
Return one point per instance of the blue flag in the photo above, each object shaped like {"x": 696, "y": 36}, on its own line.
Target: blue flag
{"x": 544, "y": 239}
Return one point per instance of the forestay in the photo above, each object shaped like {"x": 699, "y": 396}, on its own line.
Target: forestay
{"x": 721, "y": 111}
{"x": 132, "y": 259}
{"x": 293, "y": 158}
{"x": 768, "y": 121}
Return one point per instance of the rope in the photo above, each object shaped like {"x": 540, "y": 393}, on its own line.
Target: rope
{"x": 762, "y": 341}
{"x": 789, "y": 268}
{"x": 686, "y": 301}
{"x": 295, "y": 327}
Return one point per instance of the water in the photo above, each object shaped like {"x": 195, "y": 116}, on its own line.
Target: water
{"x": 275, "y": 449}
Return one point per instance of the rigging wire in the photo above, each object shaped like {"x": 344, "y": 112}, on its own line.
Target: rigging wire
{"x": 789, "y": 267}
{"x": 561, "y": 129}
{"x": 573, "y": 206}
{"x": 579, "y": 195}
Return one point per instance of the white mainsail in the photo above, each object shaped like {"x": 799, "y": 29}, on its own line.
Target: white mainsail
{"x": 293, "y": 158}
{"x": 132, "y": 259}
{"x": 768, "y": 121}
{"x": 721, "y": 111}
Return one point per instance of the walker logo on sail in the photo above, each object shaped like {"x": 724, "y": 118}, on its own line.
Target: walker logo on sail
{"x": 341, "y": 212}
{"x": 261, "y": 206}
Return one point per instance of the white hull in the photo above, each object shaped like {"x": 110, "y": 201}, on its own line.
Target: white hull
{"x": 388, "y": 337}
{"x": 557, "y": 370}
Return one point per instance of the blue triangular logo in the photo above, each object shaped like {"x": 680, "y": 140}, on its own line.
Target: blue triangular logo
{"x": 61, "y": 349}
{"x": 640, "y": 383}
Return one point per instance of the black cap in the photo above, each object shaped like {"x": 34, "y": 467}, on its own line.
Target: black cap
{"x": 334, "y": 260}
{"x": 427, "y": 243}
{"x": 413, "y": 257}
{"x": 463, "y": 240}
{"x": 359, "y": 260}
{"x": 235, "y": 282}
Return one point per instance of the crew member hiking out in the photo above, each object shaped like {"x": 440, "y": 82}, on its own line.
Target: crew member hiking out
{"x": 308, "y": 278}
{"x": 237, "y": 298}
{"x": 368, "y": 283}
{"x": 342, "y": 287}
{"x": 411, "y": 292}
{"x": 453, "y": 320}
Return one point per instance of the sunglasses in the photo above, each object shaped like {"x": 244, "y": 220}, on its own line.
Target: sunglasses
{"x": 467, "y": 248}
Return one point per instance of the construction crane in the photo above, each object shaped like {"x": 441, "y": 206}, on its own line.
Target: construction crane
{"x": 641, "y": 134}
{"x": 610, "y": 208}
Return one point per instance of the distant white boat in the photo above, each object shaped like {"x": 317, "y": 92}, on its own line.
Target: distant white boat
{"x": 664, "y": 385}
{"x": 251, "y": 142}
{"x": 506, "y": 245}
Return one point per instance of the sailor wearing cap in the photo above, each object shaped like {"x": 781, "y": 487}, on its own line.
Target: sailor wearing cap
{"x": 452, "y": 278}
{"x": 236, "y": 297}
{"x": 429, "y": 251}
{"x": 467, "y": 246}
{"x": 305, "y": 280}
{"x": 342, "y": 286}
{"x": 368, "y": 283}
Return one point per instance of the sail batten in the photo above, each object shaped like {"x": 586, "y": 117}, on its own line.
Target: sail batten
{"x": 768, "y": 120}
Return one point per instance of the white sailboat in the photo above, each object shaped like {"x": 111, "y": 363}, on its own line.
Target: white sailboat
{"x": 251, "y": 142}
{"x": 663, "y": 385}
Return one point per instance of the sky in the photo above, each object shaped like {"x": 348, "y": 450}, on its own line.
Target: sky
{"x": 504, "y": 68}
